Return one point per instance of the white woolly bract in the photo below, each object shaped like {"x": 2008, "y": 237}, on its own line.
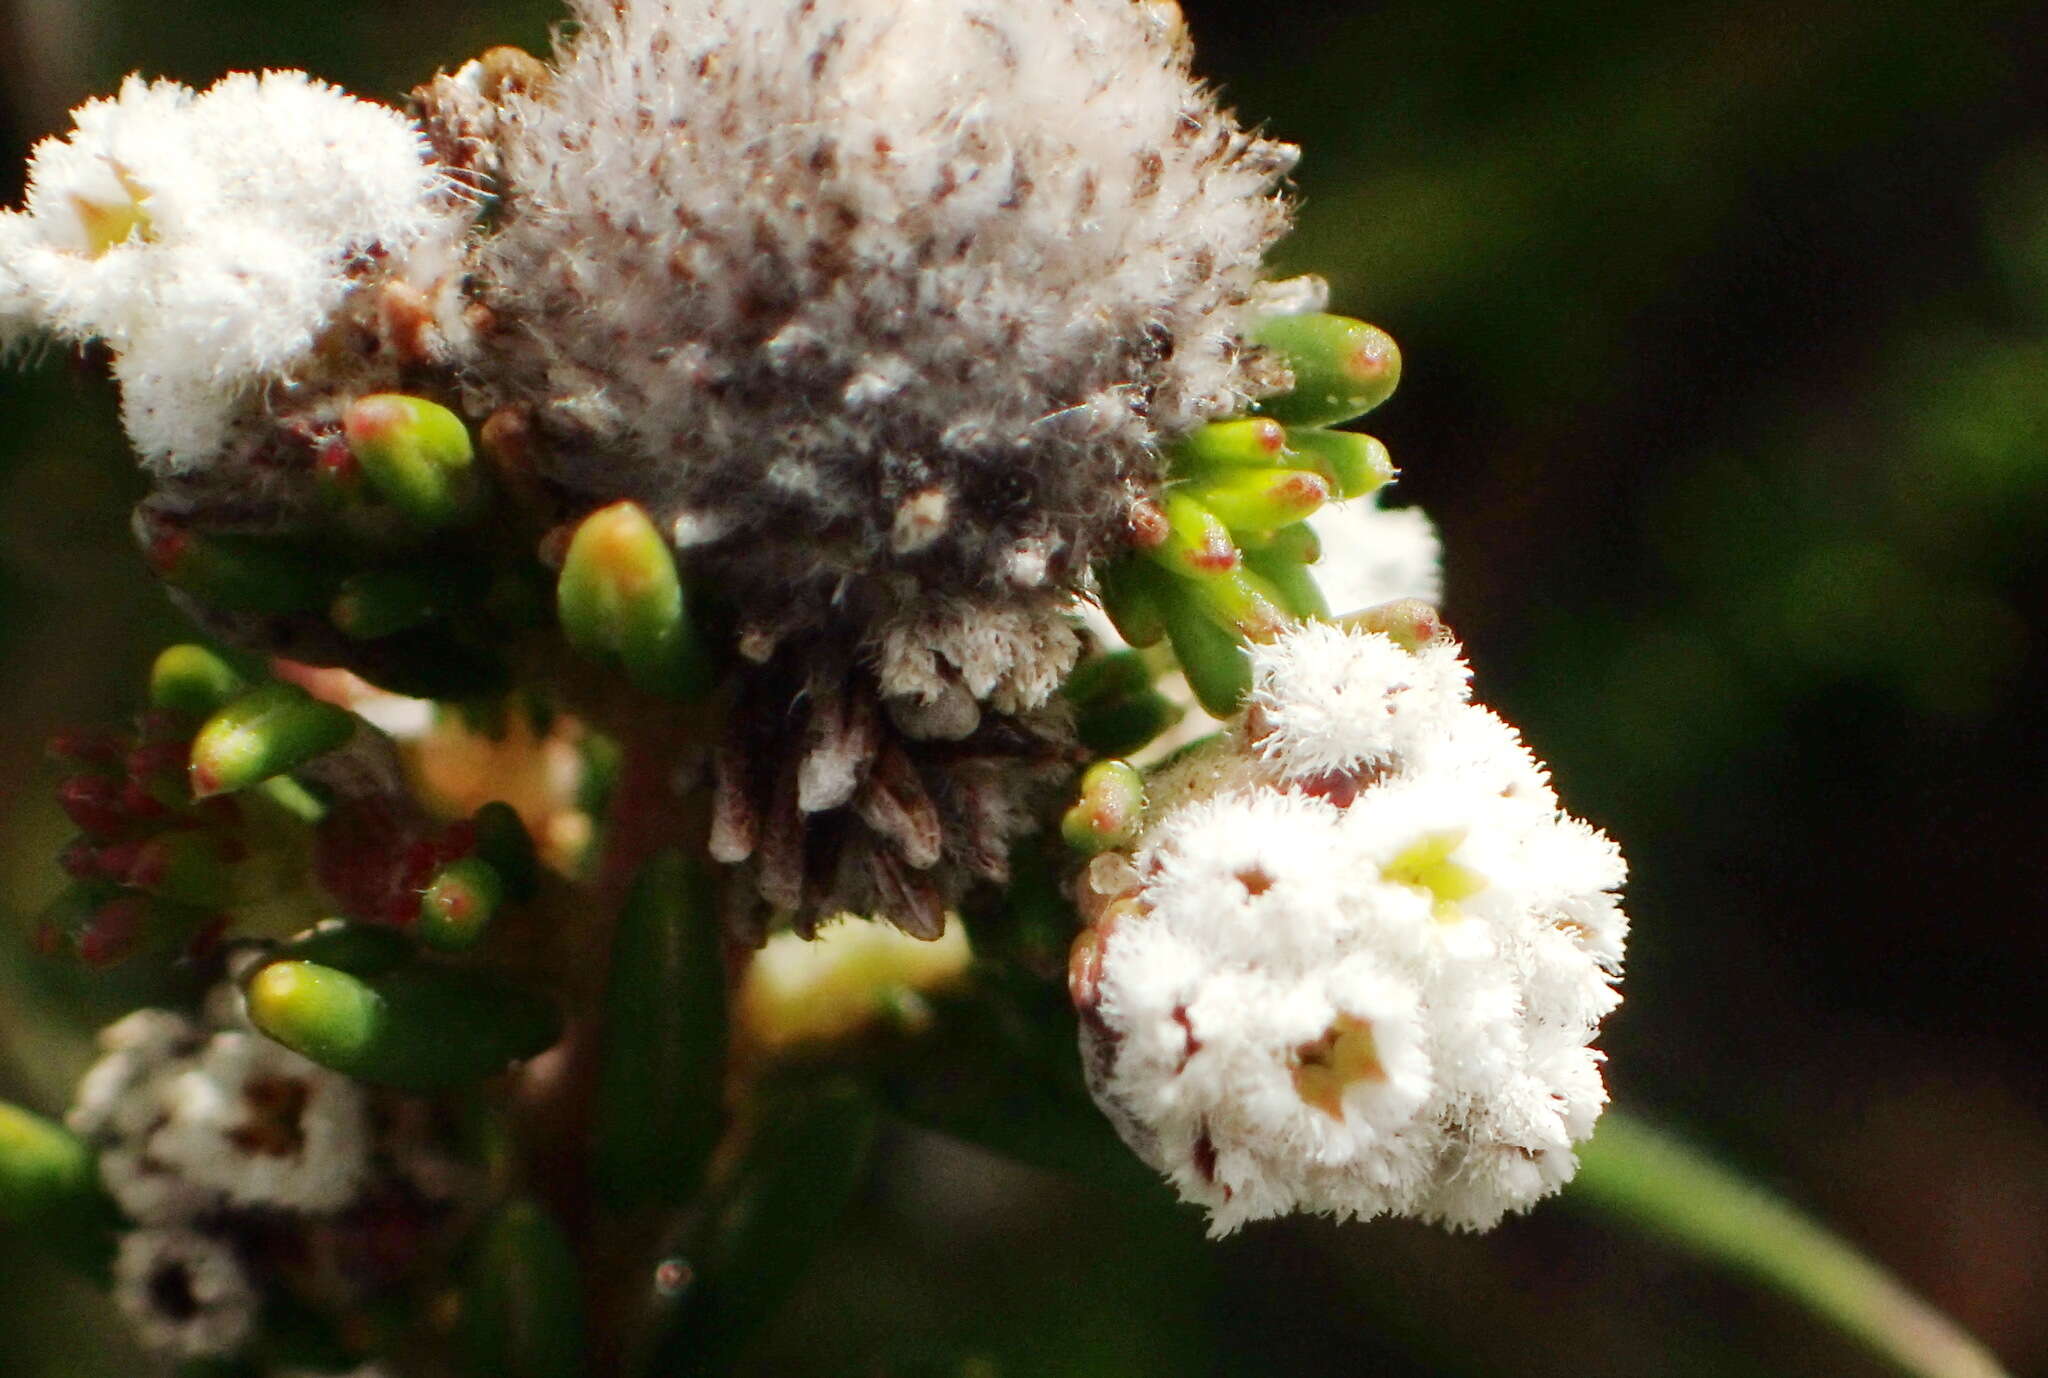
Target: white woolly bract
{"x": 931, "y": 276}
{"x": 208, "y": 238}
{"x": 1360, "y": 967}
{"x": 265, "y": 1127}
{"x": 186, "y": 1294}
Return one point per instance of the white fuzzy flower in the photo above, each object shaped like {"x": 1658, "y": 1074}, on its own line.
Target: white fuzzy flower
{"x": 187, "y": 1294}
{"x": 111, "y": 1098}
{"x": 208, "y": 239}
{"x": 1357, "y": 959}
{"x": 1331, "y": 699}
{"x": 189, "y": 1124}
{"x": 856, "y": 288}
{"x": 1374, "y": 554}
{"x": 265, "y": 1127}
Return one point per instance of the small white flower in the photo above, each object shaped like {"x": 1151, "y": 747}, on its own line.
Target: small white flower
{"x": 1330, "y": 699}
{"x": 208, "y": 239}
{"x": 1357, "y": 959}
{"x": 186, "y": 1293}
{"x": 112, "y": 1098}
{"x": 265, "y": 1127}
{"x": 189, "y": 1124}
{"x": 1374, "y": 554}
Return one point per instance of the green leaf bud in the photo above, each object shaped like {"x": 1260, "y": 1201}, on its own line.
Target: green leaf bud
{"x": 1354, "y": 464}
{"x": 415, "y": 455}
{"x": 1410, "y": 623}
{"x": 271, "y": 729}
{"x": 1246, "y": 442}
{"x": 1110, "y": 810}
{"x": 1342, "y": 368}
{"x": 418, "y": 1028}
{"x": 1198, "y": 545}
{"x": 44, "y": 1168}
{"x": 620, "y": 595}
{"x": 1263, "y": 499}
{"x": 192, "y": 681}
{"x": 459, "y": 904}
{"x": 661, "y": 1096}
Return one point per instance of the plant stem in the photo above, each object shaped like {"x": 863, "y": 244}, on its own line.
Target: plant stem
{"x": 1674, "y": 1192}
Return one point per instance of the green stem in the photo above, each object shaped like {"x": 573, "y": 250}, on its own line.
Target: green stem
{"x": 1676, "y": 1193}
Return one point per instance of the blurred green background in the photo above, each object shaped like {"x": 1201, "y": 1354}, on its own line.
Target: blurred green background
{"x": 1727, "y": 341}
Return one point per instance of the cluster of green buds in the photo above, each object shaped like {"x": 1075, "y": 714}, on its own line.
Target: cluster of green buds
{"x": 414, "y": 567}
{"x": 1221, "y": 557}
{"x": 234, "y": 810}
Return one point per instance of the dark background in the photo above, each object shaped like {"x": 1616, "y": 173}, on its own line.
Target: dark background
{"x": 1727, "y": 342}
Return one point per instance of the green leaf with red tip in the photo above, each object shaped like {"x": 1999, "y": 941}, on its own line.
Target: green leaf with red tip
{"x": 459, "y": 903}
{"x": 1354, "y": 464}
{"x": 1198, "y": 545}
{"x": 1342, "y": 368}
{"x": 1410, "y": 623}
{"x": 620, "y": 596}
{"x": 1225, "y": 446}
{"x": 1110, "y": 810}
{"x": 417, "y": 456}
{"x": 1242, "y": 602}
{"x": 239, "y": 573}
{"x": 1262, "y": 499}
{"x": 266, "y": 732}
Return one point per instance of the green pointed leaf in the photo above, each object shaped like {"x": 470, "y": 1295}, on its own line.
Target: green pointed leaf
{"x": 419, "y": 1028}
{"x": 661, "y": 1101}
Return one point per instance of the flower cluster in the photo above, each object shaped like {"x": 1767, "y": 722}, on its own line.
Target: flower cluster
{"x": 1355, "y": 960}
{"x": 716, "y": 487}
{"x": 237, "y": 1163}
{"x": 212, "y": 239}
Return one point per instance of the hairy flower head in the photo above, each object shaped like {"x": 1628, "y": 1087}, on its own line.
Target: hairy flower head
{"x": 1356, "y": 961}
{"x": 209, "y": 238}
{"x": 871, "y": 300}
